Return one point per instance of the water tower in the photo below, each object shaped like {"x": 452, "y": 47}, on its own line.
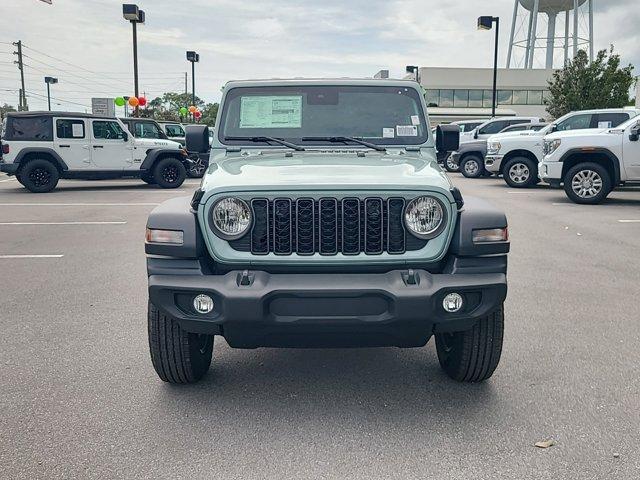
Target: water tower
{"x": 528, "y": 19}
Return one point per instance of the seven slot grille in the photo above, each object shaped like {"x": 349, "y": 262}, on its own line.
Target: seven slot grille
{"x": 328, "y": 226}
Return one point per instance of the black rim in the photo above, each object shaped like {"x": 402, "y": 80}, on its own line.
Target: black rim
{"x": 170, "y": 174}
{"x": 40, "y": 177}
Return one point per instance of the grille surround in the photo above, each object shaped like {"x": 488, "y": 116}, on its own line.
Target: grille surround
{"x": 344, "y": 227}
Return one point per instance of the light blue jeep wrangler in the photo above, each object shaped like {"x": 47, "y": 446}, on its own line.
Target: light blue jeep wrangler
{"x": 324, "y": 220}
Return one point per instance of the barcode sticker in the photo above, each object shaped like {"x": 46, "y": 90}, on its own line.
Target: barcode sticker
{"x": 407, "y": 130}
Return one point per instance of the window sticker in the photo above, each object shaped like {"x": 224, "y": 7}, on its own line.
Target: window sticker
{"x": 604, "y": 125}
{"x": 407, "y": 130}
{"x": 271, "y": 111}
{"x": 415, "y": 120}
{"x": 388, "y": 133}
{"x": 77, "y": 130}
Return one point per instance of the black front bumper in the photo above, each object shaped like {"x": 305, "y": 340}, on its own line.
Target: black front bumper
{"x": 10, "y": 168}
{"x": 256, "y": 308}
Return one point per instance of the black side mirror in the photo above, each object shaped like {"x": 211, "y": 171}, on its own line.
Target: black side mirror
{"x": 634, "y": 136}
{"x": 475, "y": 134}
{"x": 125, "y": 136}
{"x": 447, "y": 138}
{"x": 197, "y": 138}
{"x": 554, "y": 128}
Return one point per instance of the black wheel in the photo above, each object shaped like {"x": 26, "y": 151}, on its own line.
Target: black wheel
{"x": 146, "y": 178}
{"x": 520, "y": 172}
{"x": 472, "y": 166}
{"x": 177, "y": 356}
{"x": 39, "y": 176}
{"x": 169, "y": 173}
{"x": 587, "y": 183}
{"x": 472, "y": 355}
{"x": 450, "y": 165}
{"x": 197, "y": 168}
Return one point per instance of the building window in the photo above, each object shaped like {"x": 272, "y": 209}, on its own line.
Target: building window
{"x": 433, "y": 98}
{"x": 461, "y": 98}
{"x": 535, "y": 97}
{"x": 519, "y": 97}
{"x": 487, "y": 99}
{"x": 446, "y": 98}
{"x": 475, "y": 98}
{"x": 505, "y": 97}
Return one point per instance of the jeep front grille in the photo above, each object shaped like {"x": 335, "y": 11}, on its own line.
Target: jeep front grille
{"x": 328, "y": 226}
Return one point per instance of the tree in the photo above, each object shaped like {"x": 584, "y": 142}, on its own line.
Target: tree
{"x": 6, "y": 108}
{"x": 584, "y": 85}
{"x": 209, "y": 114}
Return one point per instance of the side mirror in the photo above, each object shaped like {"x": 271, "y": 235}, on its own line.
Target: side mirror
{"x": 634, "y": 136}
{"x": 554, "y": 128}
{"x": 447, "y": 138}
{"x": 125, "y": 136}
{"x": 475, "y": 134}
{"x": 197, "y": 138}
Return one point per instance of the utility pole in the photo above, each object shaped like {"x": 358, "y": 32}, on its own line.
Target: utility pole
{"x": 22, "y": 106}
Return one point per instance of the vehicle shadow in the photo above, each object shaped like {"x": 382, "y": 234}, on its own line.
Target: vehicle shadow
{"x": 95, "y": 186}
{"x": 399, "y": 385}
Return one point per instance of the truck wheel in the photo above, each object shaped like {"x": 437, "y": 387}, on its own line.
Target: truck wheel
{"x": 587, "y": 183}
{"x": 197, "y": 169}
{"x": 39, "y": 176}
{"x": 146, "y": 178}
{"x": 450, "y": 165}
{"x": 472, "y": 166}
{"x": 472, "y": 355}
{"x": 520, "y": 172}
{"x": 169, "y": 173}
{"x": 177, "y": 356}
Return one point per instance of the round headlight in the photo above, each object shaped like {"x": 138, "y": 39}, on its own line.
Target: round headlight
{"x": 231, "y": 218}
{"x": 424, "y": 217}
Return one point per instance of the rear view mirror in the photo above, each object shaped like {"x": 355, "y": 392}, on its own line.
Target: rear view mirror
{"x": 447, "y": 138}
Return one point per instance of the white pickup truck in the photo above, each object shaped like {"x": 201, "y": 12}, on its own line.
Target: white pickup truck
{"x": 516, "y": 157}
{"x": 592, "y": 163}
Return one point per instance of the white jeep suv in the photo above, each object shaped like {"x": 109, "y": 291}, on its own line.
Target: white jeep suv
{"x": 591, "y": 163}
{"x": 516, "y": 157}
{"x": 40, "y": 148}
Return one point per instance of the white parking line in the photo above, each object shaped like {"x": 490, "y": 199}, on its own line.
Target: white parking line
{"x": 79, "y": 204}
{"x": 62, "y": 223}
{"x": 9, "y": 180}
{"x": 629, "y": 221}
{"x": 31, "y": 256}
{"x": 519, "y": 191}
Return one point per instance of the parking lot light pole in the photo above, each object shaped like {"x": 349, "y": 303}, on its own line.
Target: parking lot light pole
{"x": 486, "y": 23}
{"x": 132, "y": 13}
{"x": 49, "y": 81}
{"x": 193, "y": 57}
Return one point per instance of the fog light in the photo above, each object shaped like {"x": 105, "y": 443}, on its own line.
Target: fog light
{"x": 452, "y": 302}
{"x": 203, "y": 303}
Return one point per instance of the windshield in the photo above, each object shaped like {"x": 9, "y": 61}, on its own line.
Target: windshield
{"x": 174, "y": 130}
{"x": 147, "y": 130}
{"x": 315, "y": 115}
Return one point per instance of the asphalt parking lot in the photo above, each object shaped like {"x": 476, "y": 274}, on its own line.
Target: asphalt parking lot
{"x": 79, "y": 398}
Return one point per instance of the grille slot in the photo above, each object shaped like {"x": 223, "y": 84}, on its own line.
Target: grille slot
{"x": 328, "y": 226}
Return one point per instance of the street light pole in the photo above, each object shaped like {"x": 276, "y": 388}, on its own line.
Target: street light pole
{"x": 193, "y": 57}
{"x": 132, "y": 13}
{"x": 49, "y": 81}
{"x": 486, "y": 23}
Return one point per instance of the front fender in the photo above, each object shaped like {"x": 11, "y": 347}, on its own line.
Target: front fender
{"x": 176, "y": 214}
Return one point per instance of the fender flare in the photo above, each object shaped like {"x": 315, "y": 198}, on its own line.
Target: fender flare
{"x": 603, "y": 151}
{"x": 47, "y": 151}
{"x": 156, "y": 153}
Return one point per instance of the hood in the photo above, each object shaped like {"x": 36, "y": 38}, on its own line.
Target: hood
{"x": 578, "y": 133}
{"x": 325, "y": 170}
{"x": 157, "y": 143}
{"x": 472, "y": 145}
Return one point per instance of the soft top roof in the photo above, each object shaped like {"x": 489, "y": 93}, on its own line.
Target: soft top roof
{"x": 45, "y": 113}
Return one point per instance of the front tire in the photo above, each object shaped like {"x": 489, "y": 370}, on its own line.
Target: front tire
{"x": 520, "y": 172}
{"x": 472, "y": 166}
{"x": 177, "y": 356}
{"x": 587, "y": 183}
{"x": 472, "y": 355}
{"x": 169, "y": 173}
{"x": 39, "y": 176}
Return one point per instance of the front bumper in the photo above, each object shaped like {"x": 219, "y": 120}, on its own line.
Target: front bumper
{"x": 492, "y": 163}
{"x": 10, "y": 168}
{"x": 550, "y": 172}
{"x": 258, "y": 309}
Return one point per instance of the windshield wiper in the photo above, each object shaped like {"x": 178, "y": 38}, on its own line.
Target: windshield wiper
{"x": 268, "y": 139}
{"x": 345, "y": 140}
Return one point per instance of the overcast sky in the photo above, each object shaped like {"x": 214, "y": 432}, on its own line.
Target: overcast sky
{"x": 87, "y": 43}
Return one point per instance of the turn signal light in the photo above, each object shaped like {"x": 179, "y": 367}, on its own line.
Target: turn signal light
{"x": 167, "y": 237}
{"x": 491, "y": 235}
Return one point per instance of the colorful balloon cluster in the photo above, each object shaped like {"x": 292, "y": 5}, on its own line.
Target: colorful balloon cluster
{"x": 193, "y": 110}
{"x": 132, "y": 101}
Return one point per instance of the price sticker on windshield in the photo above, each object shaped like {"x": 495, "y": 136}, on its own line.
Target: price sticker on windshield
{"x": 406, "y": 130}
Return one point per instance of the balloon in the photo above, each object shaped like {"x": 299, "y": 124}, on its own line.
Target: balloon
{"x": 133, "y": 101}
{"x": 197, "y": 114}
{"x": 119, "y": 101}
{"x": 142, "y": 101}
{"x": 184, "y": 111}
{"x": 192, "y": 109}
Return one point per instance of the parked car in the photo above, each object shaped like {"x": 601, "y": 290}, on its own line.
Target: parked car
{"x": 496, "y": 125}
{"x": 40, "y": 148}
{"x": 592, "y": 163}
{"x": 469, "y": 158}
{"x": 516, "y": 158}
{"x": 312, "y": 231}
{"x": 174, "y": 131}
